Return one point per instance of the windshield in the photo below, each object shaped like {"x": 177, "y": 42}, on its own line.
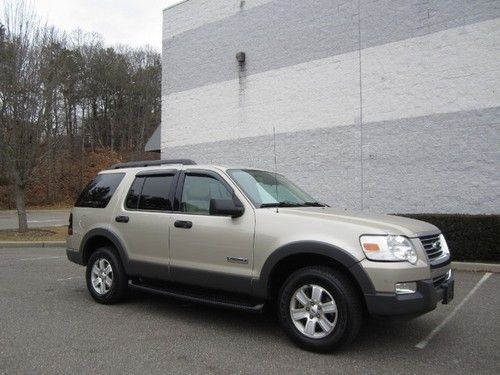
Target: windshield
{"x": 267, "y": 189}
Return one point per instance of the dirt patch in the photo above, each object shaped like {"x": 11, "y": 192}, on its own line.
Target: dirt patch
{"x": 35, "y": 234}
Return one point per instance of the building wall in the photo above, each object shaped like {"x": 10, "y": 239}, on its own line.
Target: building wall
{"x": 388, "y": 106}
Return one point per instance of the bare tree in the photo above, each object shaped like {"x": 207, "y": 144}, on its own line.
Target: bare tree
{"x": 21, "y": 121}
{"x": 62, "y": 97}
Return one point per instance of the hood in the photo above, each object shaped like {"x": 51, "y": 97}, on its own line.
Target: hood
{"x": 371, "y": 223}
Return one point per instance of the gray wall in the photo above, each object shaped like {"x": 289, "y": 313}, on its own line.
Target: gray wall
{"x": 388, "y": 106}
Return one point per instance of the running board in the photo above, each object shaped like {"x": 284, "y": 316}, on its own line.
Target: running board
{"x": 209, "y": 299}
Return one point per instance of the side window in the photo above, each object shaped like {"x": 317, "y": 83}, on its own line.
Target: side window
{"x": 132, "y": 200}
{"x": 197, "y": 192}
{"x": 155, "y": 194}
{"x": 100, "y": 190}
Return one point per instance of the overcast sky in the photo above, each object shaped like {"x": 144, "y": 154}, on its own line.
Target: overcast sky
{"x": 132, "y": 22}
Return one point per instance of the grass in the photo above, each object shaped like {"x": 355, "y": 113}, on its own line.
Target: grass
{"x": 35, "y": 234}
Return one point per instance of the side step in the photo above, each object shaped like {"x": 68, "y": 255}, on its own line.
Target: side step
{"x": 207, "y": 299}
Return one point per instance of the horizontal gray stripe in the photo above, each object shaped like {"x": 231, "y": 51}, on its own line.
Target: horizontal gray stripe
{"x": 438, "y": 163}
{"x": 287, "y": 32}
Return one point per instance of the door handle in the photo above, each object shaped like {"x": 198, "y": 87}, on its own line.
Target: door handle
{"x": 121, "y": 219}
{"x": 183, "y": 224}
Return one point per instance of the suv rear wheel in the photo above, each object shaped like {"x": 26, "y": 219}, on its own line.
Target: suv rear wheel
{"x": 106, "y": 279}
{"x": 320, "y": 309}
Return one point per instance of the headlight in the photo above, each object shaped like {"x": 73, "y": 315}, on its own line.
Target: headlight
{"x": 388, "y": 248}
{"x": 444, "y": 245}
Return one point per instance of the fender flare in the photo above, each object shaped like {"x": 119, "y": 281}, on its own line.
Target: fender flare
{"x": 117, "y": 243}
{"x": 261, "y": 285}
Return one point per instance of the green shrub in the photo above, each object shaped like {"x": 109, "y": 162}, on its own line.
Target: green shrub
{"x": 471, "y": 238}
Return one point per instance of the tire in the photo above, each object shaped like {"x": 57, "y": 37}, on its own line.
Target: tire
{"x": 114, "y": 286}
{"x": 333, "y": 325}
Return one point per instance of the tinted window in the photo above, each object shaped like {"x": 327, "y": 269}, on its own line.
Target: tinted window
{"x": 99, "y": 191}
{"x": 197, "y": 192}
{"x": 134, "y": 193}
{"x": 155, "y": 194}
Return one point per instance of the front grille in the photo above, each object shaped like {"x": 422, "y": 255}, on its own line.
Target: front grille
{"x": 432, "y": 246}
{"x": 437, "y": 281}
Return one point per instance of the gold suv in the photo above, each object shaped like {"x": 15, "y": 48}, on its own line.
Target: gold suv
{"x": 246, "y": 237}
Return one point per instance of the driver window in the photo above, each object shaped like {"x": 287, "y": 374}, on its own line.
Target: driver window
{"x": 198, "y": 191}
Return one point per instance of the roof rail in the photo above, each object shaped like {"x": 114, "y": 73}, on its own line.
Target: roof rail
{"x": 148, "y": 163}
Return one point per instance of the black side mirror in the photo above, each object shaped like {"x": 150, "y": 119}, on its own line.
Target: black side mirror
{"x": 226, "y": 207}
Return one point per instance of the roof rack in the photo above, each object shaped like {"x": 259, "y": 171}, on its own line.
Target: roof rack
{"x": 149, "y": 163}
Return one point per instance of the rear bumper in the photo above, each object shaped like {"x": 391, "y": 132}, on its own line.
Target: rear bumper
{"x": 423, "y": 300}
{"x": 74, "y": 256}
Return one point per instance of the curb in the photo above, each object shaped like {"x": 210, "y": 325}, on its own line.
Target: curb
{"x": 18, "y": 244}
{"x": 476, "y": 267}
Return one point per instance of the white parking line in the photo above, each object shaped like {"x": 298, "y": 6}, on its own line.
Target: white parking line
{"x": 47, "y": 221}
{"x": 41, "y": 258}
{"x": 422, "y": 344}
{"x": 69, "y": 278}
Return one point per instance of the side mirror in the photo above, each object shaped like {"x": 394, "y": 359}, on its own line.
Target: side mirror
{"x": 225, "y": 207}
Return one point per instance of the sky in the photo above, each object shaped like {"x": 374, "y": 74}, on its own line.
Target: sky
{"x": 132, "y": 22}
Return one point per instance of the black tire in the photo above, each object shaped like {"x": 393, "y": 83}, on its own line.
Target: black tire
{"x": 119, "y": 286}
{"x": 346, "y": 297}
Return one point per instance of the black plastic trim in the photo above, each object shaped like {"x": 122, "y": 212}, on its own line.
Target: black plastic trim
{"x": 149, "y": 163}
{"x": 149, "y": 270}
{"x": 157, "y": 172}
{"x": 74, "y": 256}
{"x": 211, "y": 280}
{"x": 260, "y": 287}
{"x": 198, "y": 298}
{"x": 423, "y": 300}
{"x": 111, "y": 237}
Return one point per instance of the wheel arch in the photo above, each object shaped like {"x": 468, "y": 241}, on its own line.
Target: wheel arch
{"x": 100, "y": 237}
{"x": 288, "y": 258}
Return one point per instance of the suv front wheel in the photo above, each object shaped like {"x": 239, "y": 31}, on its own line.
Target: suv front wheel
{"x": 320, "y": 309}
{"x": 106, "y": 279}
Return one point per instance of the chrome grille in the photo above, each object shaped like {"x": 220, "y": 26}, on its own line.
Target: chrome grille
{"x": 432, "y": 246}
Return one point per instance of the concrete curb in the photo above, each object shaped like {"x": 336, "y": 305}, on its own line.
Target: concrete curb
{"x": 18, "y": 244}
{"x": 476, "y": 267}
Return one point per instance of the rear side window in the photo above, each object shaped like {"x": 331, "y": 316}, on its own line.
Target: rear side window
{"x": 150, "y": 193}
{"x": 100, "y": 190}
{"x": 134, "y": 193}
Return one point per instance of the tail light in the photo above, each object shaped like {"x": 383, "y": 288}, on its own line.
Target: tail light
{"x": 70, "y": 226}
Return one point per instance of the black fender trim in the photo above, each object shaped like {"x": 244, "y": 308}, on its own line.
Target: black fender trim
{"x": 118, "y": 244}
{"x": 74, "y": 256}
{"x": 260, "y": 287}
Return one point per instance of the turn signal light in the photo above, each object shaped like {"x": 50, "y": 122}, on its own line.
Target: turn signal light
{"x": 371, "y": 247}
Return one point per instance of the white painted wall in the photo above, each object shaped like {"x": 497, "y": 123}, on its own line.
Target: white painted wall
{"x": 447, "y": 71}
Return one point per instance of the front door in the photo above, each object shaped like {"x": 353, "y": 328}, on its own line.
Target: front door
{"x": 207, "y": 250}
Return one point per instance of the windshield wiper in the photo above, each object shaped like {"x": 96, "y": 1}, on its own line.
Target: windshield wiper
{"x": 292, "y": 204}
{"x": 280, "y": 204}
{"x": 313, "y": 204}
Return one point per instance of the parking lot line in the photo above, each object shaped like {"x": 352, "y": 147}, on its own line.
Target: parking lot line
{"x": 42, "y": 258}
{"x": 422, "y": 344}
{"x": 69, "y": 278}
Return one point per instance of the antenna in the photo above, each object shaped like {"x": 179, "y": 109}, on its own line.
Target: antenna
{"x": 275, "y": 168}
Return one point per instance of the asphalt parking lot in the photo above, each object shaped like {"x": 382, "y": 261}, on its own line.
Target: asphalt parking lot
{"x": 50, "y": 324}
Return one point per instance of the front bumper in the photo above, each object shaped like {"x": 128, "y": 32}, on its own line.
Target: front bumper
{"x": 423, "y": 300}
{"x": 74, "y": 256}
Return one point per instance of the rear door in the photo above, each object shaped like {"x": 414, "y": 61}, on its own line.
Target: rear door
{"x": 206, "y": 250}
{"x": 142, "y": 220}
